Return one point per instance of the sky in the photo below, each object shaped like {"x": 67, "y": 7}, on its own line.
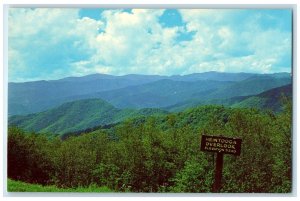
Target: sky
{"x": 52, "y": 43}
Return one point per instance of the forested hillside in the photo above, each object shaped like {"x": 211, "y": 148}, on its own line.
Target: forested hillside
{"x": 78, "y": 115}
{"x": 161, "y": 153}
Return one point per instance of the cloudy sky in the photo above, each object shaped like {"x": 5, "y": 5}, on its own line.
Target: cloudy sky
{"x": 56, "y": 43}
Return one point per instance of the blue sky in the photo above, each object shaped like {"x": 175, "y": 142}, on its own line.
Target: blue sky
{"x": 55, "y": 43}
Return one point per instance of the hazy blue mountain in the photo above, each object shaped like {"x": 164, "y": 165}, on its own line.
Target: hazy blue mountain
{"x": 156, "y": 94}
{"x": 223, "y": 76}
{"x": 164, "y": 93}
{"x": 30, "y": 97}
{"x": 250, "y": 86}
{"x": 77, "y": 115}
{"x": 213, "y": 75}
{"x": 270, "y": 99}
{"x": 137, "y": 91}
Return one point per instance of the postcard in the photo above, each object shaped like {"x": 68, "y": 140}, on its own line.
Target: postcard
{"x": 150, "y": 100}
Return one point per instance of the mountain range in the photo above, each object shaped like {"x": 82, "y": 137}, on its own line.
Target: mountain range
{"x": 267, "y": 100}
{"x": 78, "y": 103}
{"x": 138, "y": 91}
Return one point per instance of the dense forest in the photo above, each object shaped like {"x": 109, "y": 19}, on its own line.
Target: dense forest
{"x": 161, "y": 153}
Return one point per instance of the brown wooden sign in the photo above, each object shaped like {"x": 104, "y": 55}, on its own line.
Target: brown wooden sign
{"x": 221, "y": 144}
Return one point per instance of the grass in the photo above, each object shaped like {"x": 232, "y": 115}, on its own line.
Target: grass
{"x": 18, "y": 186}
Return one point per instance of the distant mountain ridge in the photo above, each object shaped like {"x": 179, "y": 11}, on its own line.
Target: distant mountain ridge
{"x": 267, "y": 100}
{"x": 210, "y": 75}
{"x": 271, "y": 99}
{"x": 137, "y": 91}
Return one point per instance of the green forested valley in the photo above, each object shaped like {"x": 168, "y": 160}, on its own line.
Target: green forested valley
{"x": 161, "y": 153}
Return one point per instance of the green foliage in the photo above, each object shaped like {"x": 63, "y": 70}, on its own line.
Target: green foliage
{"x": 73, "y": 161}
{"x": 195, "y": 176}
{"x": 29, "y": 157}
{"x": 256, "y": 159}
{"x": 282, "y": 145}
{"x": 18, "y": 186}
{"x": 162, "y": 154}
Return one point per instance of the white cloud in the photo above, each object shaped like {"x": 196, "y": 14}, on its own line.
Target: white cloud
{"x": 43, "y": 42}
{"x": 135, "y": 42}
{"x": 52, "y": 43}
{"x": 224, "y": 36}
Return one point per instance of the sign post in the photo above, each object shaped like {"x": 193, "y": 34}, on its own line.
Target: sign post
{"x": 220, "y": 145}
{"x": 218, "y": 172}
